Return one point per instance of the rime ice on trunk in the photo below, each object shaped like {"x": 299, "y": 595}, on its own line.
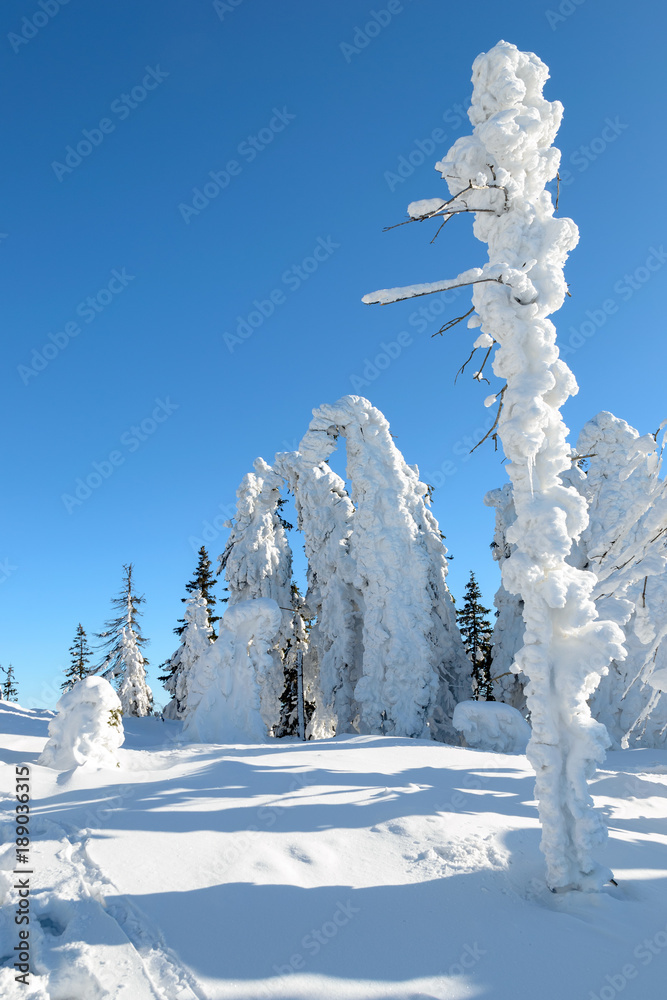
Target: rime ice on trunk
{"x": 258, "y": 563}
{"x": 500, "y": 173}
{"x": 414, "y": 664}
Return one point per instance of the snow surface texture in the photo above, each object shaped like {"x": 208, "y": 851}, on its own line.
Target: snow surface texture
{"x": 87, "y": 730}
{"x": 500, "y": 173}
{"x": 225, "y": 684}
{"x": 414, "y": 663}
{"x": 258, "y": 563}
{"x": 325, "y": 516}
{"x": 133, "y": 691}
{"x": 360, "y": 868}
{"x": 491, "y": 726}
{"x": 195, "y": 642}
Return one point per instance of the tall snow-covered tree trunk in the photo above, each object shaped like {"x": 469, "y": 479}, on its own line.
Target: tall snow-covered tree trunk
{"x": 414, "y": 663}
{"x": 500, "y": 173}
{"x": 257, "y": 562}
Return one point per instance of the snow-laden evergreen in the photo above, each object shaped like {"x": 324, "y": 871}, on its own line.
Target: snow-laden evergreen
{"x": 476, "y": 633}
{"x": 80, "y": 654}
{"x": 88, "y": 728}
{"x": 196, "y": 639}
{"x": 500, "y": 173}
{"x": 225, "y": 685}
{"x": 625, "y": 546}
{"x": 257, "y": 562}
{"x": 135, "y": 695}
{"x": 414, "y": 665}
{"x": 325, "y": 516}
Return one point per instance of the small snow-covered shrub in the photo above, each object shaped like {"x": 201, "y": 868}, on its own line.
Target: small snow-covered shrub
{"x": 490, "y": 725}
{"x": 88, "y": 728}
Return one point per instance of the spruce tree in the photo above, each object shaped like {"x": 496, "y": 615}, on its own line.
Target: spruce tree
{"x": 80, "y": 653}
{"x": 10, "y": 692}
{"x": 476, "y": 631}
{"x": 296, "y": 643}
{"x": 203, "y": 580}
{"x": 127, "y": 605}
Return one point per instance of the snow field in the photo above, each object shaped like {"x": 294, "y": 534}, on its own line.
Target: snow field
{"x": 353, "y": 868}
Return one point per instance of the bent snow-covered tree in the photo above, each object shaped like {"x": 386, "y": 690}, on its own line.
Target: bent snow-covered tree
{"x": 500, "y": 173}
{"x": 414, "y": 667}
{"x": 325, "y": 514}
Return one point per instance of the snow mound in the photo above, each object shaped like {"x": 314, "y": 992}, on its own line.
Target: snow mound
{"x": 87, "y": 730}
{"x": 225, "y": 685}
{"x": 491, "y": 726}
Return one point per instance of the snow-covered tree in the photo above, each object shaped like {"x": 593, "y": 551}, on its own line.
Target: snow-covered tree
{"x": 126, "y": 605}
{"x": 88, "y": 728}
{"x": 202, "y": 581}
{"x": 625, "y": 546}
{"x": 257, "y": 562}
{"x": 135, "y": 695}
{"x": 476, "y": 632}
{"x": 8, "y": 689}
{"x": 500, "y": 173}
{"x": 225, "y": 683}
{"x": 80, "y": 654}
{"x": 196, "y": 639}
{"x": 292, "y": 702}
{"x": 332, "y": 665}
{"x": 414, "y": 666}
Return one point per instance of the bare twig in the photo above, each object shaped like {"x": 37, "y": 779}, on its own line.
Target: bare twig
{"x": 486, "y": 358}
{"x": 444, "y": 222}
{"x": 467, "y": 361}
{"x": 452, "y": 323}
{"x": 557, "y": 189}
{"x": 644, "y": 592}
{"x": 495, "y": 422}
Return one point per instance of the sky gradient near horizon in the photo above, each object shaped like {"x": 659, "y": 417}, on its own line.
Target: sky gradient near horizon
{"x": 195, "y": 198}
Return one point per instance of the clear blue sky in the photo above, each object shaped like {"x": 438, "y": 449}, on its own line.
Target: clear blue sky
{"x": 330, "y": 126}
